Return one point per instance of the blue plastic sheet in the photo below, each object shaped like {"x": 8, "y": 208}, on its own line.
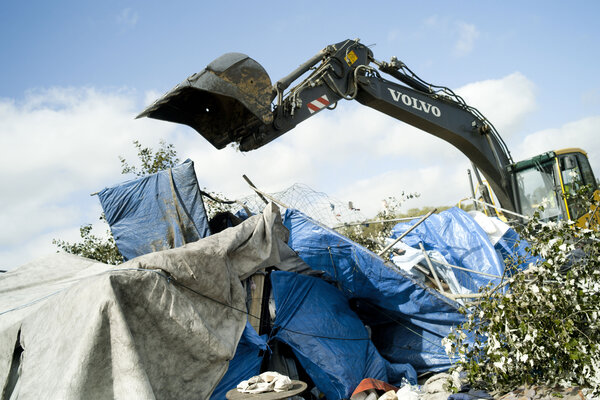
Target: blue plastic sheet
{"x": 425, "y": 316}
{"x": 513, "y": 250}
{"x": 327, "y": 337}
{"x": 157, "y": 212}
{"x": 461, "y": 241}
{"x": 245, "y": 363}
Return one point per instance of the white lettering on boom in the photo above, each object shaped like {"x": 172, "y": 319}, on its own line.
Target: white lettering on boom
{"x": 417, "y": 104}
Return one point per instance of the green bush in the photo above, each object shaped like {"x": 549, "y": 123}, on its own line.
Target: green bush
{"x": 542, "y": 325}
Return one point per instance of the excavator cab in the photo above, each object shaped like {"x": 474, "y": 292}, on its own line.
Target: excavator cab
{"x": 548, "y": 179}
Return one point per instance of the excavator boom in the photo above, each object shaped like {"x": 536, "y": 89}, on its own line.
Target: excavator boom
{"x": 232, "y": 101}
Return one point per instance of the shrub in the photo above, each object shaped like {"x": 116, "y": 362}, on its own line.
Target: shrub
{"x": 542, "y": 326}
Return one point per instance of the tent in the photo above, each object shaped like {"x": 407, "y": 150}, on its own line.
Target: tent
{"x": 413, "y": 317}
{"x": 164, "y": 325}
{"x": 333, "y": 345}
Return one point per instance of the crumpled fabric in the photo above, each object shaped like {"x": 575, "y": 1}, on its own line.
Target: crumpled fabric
{"x": 438, "y": 386}
{"x": 391, "y": 395}
{"x": 160, "y": 211}
{"x": 461, "y": 241}
{"x": 410, "y": 257}
{"x": 416, "y": 318}
{"x": 266, "y": 382}
{"x": 406, "y": 392}
{"x": 161, "y": 326}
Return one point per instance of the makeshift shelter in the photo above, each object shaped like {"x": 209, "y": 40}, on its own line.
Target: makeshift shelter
{"x": 469, "y": 250}
{"x": 509, "y": 246}
{"x": 173, "y": 323}
{"x": 156, "y": 212}
{"x": 461, "y": 242}
{"x": 327, "y": 337}
{"x": 388, "y": 299}
{"x": 246, "y": 362}
{"x": 163, "y": 325}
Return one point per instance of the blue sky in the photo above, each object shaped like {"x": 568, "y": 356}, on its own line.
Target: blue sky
{"x": 149, "y": 45}
{"x": 74, "y": 75}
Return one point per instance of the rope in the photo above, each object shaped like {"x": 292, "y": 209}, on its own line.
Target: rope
{"x": 32, "y": 302}
{"x": 170, "y": 279}
{"x": 176, "y": 204}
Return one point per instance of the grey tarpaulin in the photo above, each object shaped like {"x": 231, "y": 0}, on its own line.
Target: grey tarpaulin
{"x": 161, "y": 326}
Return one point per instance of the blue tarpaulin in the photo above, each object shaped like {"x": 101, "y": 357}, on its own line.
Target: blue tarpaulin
{"x": 327, "y": 337}
{"x": 245, "y": 363}
{"x": 424, "y": 316}
{"x": 461, "y": 241}
{"x": 157, "y": 212}
{"x": 513, "y": 250}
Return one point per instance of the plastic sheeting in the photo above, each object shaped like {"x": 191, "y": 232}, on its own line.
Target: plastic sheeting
{"x": 410, "y": 257}
{"x": 393, "y": 295}
{"x": 246, "y": 362}
{"x": 157, "y": 212}
{"x": 513, "y": 250}
{"x": 507, "y": 242}
{"x": 330, "y": 341}
{"x": 161, "y": 326}
{"x": 461, "y": 241}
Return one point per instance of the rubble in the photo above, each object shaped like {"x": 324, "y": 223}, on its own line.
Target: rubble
{"x": 208, "y": 311}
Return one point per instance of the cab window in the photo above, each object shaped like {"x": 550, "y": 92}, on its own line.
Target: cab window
{"x": 537, "y": 188}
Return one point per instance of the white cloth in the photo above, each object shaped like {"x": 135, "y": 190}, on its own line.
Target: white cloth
{"x": 266, "y": 382}
{"x": 410, "y": 257}
{"x": 492, "y": 226}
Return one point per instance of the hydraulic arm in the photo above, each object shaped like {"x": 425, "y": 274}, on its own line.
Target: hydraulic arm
{"x": 232, "y": 100}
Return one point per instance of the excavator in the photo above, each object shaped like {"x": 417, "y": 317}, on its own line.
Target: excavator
{"x": 232, "y": 101}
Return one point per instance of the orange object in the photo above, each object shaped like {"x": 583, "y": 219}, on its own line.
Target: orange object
{"x": 370, "y": 383}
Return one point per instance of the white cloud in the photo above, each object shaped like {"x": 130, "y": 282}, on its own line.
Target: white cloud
{"x": 467, "y": 35}
{"x": 506, "y": 102}
{"x": 437, "y": 185}
{"x": 591, "y": 97}
{"x": 582, "y": 133}
{"x": 435, "y": 21}
{"x": 458, "y": 35}
{"x": 64, "y": 144}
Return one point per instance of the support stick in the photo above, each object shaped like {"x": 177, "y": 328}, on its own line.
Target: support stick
{"x": 437, "y": 280}
{"x": 389, "y": 246}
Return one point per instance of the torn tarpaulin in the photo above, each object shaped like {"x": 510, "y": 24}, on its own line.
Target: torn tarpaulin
{"x": 157, "y": 212}
{"x": 330, "y": 341}
{"x": 163, "y": 325}
{"x": 245, "y": 363}
{"x": 461, "y": 241}
{"x": 393, "y": 297}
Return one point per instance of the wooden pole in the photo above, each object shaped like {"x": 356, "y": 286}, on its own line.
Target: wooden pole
{"x": 437, "y": 280}
{"x": 389, "y": 246}
{"x": 254, "y": 187}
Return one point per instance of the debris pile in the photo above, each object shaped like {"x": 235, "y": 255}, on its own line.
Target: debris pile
{"x": 196, "y": 311}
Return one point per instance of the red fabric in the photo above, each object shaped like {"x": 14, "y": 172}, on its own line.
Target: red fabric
{"x": 370, "y": 383}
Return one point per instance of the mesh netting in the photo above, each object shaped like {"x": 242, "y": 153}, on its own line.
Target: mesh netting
{"x": 317, "y": 205}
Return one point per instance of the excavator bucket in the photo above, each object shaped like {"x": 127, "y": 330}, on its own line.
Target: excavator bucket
{"x": 224, "y": 102}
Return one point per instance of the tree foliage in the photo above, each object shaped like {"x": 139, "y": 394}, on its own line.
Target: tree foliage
{"x": 545, "y": 328}
{"x": 151, "y": 161}
{"x": 97, "y": 248}
{"x": 372, "y": 234}
{"x": 103, "y": 248}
